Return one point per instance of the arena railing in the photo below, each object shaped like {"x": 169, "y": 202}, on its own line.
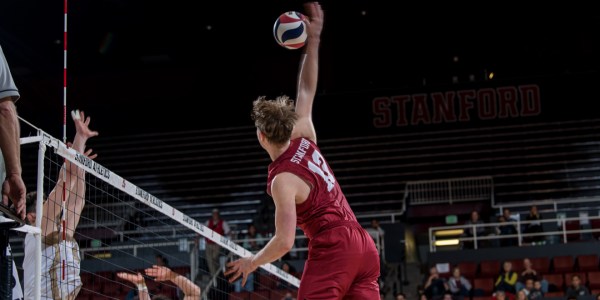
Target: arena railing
{"x": 455, "y": 235}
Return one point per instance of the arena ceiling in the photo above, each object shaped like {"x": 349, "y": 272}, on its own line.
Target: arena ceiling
{"x": 148, "y": 64}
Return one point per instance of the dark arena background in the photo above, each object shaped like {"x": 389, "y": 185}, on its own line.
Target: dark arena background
{"x": 427, "y": 113}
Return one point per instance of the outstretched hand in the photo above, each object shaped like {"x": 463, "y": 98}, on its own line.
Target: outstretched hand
{"x": 82, "y": 124}
{"x": 314, "y": 23}
{"x": 241, "y": 267}
{"x": 161, "y": 273}
{"x": 133, "y": 278}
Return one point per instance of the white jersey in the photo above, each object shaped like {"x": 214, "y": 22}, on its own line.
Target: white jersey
{"x": 53, "y": 284}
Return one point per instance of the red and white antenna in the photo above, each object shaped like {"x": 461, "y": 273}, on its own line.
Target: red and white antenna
{"x": 64, "y": 197}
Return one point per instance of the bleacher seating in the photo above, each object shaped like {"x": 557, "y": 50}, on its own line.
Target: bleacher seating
{"x": 483, "y": 277}
{"x": 588, "y": 262}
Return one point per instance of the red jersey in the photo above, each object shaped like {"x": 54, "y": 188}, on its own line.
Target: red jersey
{"x": 216, "y": 227}
{"x": 326, "y": 202}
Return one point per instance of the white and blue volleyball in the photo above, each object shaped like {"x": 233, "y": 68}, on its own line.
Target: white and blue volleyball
{"x": 289, "y": 30}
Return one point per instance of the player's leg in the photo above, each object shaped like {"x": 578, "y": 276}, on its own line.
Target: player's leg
{"x": 322, "y": 280}
{"x": 73, "y": 283}
{"x": 330, "y": 267}
{"x": 365, "y": 285}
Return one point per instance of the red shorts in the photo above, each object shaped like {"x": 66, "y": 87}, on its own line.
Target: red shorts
{"x": 342, "y": 263}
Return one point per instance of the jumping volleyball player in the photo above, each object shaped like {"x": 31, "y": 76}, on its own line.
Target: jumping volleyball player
{"x": 343, "y": 262}
{"x": 55, "y": 248}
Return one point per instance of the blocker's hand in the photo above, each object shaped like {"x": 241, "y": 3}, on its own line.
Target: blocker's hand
{"x": 241, "y": 267}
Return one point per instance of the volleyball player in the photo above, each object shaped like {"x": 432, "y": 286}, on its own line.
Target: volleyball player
{"x": 55, "y": 246}
{"x": 343, "y": 262}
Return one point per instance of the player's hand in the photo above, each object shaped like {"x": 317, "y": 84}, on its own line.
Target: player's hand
{"x": 314, "y": 24}
{"x": 241, "y": 267}
{"x": 161, "y": 273}
{"x": 87, "y": 153}
{"x": 133, "y": 278}
{"x": 82, "y": 124}
{"x": 13, "y": 189}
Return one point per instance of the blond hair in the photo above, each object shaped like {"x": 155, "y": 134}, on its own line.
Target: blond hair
{"x": 275, "y": 118}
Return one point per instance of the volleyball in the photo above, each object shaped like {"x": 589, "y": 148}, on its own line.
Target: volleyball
{"x": 289, "y": 30}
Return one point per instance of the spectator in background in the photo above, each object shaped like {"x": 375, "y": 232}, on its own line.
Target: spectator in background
{"x": 282, "y": 284}
{"x": 288, "y": 296}
{"x": 458, "y": 285}
{"x": 252, "y": 242}
{"x": 507, "y": 279}
{"x": 435, "y": 286}
{"x": 508, "y": 215}
{"x": 447, "y": 296}
{"x": 521, "y": 295}
{"x": 400, "y": 296}
{"x": 529, "y": 273}
{"x": 213, "y": 250}
{"x": 576, "y": 288}
{"x": 534, "y": 227}
{"x": 469, "y": 232}
{"x": 499, "y": 295}
{"x": 528, "y": 287}
{"x": 376, "y": 231}
{"x": 536, "y": 293}
{"x": 506, "y": 228}
{"x": 253, "y": 239}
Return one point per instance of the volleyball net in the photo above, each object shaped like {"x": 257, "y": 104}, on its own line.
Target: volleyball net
{"x": 103, "y": 224}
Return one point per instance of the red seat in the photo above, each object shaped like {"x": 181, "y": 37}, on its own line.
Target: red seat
{"x": 595, "y": 223}
{"x": 489, "y": 268}
{"x": 266, "y": 282}
{"x": 564, "y": 263}
{"x": 556, "y": 282}
{"x": 572, "y": 225}
{"x": 554, "y": 295}
{"x": 540, "y": 264}
{"x": 485, "y": 286}
{"x": 239, "y": 296}
{"x": 517, "y": 265}
{"x": 593, "y": 280}
{"x": 260, "y": 295}
{"x": 86, "y": 277}
{"x": 105, "y": 275}
{"x": 468, "y": 268}
{"x": 588, "y": 263}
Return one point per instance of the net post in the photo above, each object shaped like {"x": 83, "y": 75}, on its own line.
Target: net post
{"x": 38, "y": 221}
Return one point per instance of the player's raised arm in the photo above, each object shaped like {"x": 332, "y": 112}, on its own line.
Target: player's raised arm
{"x": 308, "y": 73}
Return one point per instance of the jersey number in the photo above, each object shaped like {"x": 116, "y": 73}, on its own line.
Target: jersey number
{"x": 318, "y": 166}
